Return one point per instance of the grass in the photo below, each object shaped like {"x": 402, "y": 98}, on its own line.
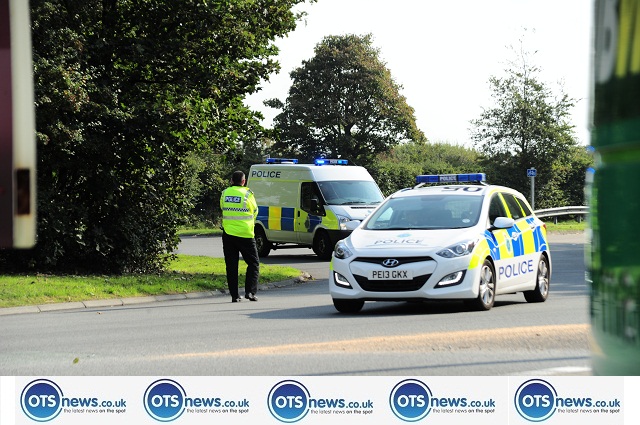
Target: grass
{"x": 567, "y": 226}
{"x": 200, "y": 232}
{"x": 186, "y": 274}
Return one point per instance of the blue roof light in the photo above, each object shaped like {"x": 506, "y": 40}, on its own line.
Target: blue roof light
{"x": 327, "y": 161}
{"x": 281, "y": 161}
{"x": 451, "y": 178}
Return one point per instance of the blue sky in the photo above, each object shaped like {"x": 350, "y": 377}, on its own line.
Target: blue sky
{"x": 443, "y": 52}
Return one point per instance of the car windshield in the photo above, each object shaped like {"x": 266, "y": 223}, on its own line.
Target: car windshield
{"x": 349, "y": 192}
{"x": 426, "y": 212}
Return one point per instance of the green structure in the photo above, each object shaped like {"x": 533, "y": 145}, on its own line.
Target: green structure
{"x": 613, "y": 259}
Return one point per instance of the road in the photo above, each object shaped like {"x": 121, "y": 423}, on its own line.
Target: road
{"x": 295, "y": 330}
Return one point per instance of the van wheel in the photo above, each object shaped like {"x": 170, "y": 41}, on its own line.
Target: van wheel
{"x": 322, "y": 245}
{"x": 262, "y": 243}
{"x": 348, "y": 306}
{"x": 541, "y": 291}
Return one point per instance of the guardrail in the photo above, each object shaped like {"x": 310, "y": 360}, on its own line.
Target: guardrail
{"x": 556, "y": 212}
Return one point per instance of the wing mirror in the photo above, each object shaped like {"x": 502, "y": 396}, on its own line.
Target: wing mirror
{"x": 503, "y": 223}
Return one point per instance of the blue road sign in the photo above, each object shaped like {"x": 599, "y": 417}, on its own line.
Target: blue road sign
{"x": 531, "y": 172}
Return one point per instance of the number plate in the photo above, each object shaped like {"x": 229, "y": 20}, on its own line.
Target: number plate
{"x": 390, "y": 275}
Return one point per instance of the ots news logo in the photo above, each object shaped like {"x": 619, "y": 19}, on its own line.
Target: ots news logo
{"x": 164, "y": 400}
{"x": 288, "y": 401}
{"x": 535, "y": 400}
{"x": 41, "y": 400}
{"x": 409, "y": 400}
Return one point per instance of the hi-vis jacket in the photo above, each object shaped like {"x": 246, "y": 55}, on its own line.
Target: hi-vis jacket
{"x": 239, "y": 210}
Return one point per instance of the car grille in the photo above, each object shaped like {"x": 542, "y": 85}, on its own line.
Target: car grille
{"x": 392, "y": 285}
{"x": 402, "y": 260}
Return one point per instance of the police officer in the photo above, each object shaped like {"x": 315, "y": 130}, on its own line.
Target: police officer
{"x": 239, "y": 211}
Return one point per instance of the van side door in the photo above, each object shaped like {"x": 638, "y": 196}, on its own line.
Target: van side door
{"x": 309, "y": 213}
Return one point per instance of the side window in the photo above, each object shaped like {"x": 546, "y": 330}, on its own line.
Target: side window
{"x": 524, "y": 206}
{"x": 310, "y": 199}
{"x": 496, "y": 209}
{"x": 514, "y": 206}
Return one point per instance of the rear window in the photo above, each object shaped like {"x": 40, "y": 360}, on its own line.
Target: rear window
{"x": 524, "y": 206}
{"x": 515, "y": 208}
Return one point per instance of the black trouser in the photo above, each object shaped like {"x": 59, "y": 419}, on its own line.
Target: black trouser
{"x": 233, "y": 246}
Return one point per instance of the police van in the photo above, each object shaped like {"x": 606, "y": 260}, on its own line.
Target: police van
{"x": 460, "y": 239}
{"x": 309, "y": 205}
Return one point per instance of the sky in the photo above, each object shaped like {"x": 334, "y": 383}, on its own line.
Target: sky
{"x": 443, "y": 52}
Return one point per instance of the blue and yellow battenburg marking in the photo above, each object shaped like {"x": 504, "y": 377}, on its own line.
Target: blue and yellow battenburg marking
{"x": 283, "y": 218}
{"x": 516, "y": 241}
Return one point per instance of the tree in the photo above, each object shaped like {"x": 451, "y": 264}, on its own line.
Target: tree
{"x": 528, "y": 127}
{"x": 126, "y": 91}
{"x": 398, "y": 168}
{"x": 343, "y": 103}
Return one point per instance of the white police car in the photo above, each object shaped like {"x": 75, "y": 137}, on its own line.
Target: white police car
{"x": 469, "y": 241}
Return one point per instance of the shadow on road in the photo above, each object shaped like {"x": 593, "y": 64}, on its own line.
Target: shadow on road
{"x": 377, "y": 309}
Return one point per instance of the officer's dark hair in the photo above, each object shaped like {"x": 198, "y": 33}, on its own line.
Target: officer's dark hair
{"x": 237, "y": 178}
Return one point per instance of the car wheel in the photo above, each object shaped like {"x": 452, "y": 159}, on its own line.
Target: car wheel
{"x": 322, "y": 245}
{"x": 348, "y": 306}
{"x": 487, "y": 288}
{"x": 541, "y": 291}
{"x": 262, "y": 243}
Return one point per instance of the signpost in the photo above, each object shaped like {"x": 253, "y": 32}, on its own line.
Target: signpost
{"x": 531, "y": 172}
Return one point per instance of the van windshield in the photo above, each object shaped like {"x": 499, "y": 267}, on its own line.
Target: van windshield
{"x": 350, "y": 192}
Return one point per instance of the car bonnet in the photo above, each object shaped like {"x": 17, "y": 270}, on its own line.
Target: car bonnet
{"x": 364, "y": 240}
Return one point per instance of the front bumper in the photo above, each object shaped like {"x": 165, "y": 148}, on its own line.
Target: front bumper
{"x": 350, "y": 279}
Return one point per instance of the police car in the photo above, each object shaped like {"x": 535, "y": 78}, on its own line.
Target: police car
{"x": 461, "y": 240}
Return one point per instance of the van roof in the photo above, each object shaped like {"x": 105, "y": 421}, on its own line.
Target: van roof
{"x": 319, "y": 172}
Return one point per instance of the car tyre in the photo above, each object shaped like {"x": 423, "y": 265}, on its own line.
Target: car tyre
{"x": 541, "y": 291}
{"x": 487, "y": 289}
{"x": 348, "y": 306}
{"x": 322, "y": 245}
{"x": 262, "y": 243}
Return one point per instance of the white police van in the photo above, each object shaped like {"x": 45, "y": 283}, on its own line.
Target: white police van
{"x": 309, "y": 204}
{"x": 454, "y": 241}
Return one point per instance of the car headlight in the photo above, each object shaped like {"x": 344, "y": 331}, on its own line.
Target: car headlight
{"x": 458, "y": 250}
{"x": 341, "y": 251}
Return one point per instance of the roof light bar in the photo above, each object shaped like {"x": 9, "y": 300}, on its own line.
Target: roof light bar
{"x": 451, "y": 178}
{"x": 281, "y": 161}
{"x": 327, "y": 161}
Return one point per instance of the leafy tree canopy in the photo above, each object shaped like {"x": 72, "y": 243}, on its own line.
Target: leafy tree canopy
{"x": 126, "y": 91}
{"x": 343, "y": 103}
{"x": 528, "y": 127}
{"x": 398, "y": 168}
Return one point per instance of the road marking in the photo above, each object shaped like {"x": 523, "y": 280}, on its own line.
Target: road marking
{"x": 557, "y": 371}
{"x": 532, "y": 338}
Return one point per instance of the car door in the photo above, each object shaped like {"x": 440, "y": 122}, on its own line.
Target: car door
{"x": 534, "y": 240}
{"x": 526, "y": 252}
{"x": 501, "y": 244}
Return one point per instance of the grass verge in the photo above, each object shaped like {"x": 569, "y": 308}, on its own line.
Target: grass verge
{"x": 569, "y": 226}
{"x": 186, "y": 274}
